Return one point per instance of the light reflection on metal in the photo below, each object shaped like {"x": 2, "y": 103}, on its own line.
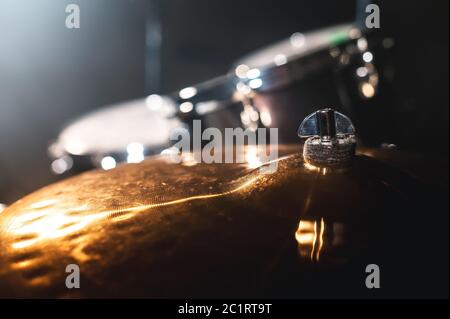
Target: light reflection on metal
{"x": 186, "y": 107}
{"x": 314, "y": 241}
{"x": 188, "y": 159}
{"x": 241, "y": 71}
{"x": 250, "y": 117}
{"x": 58, "y": 221}
{"x": 354, "y": 33}
{"x": 362, "y": 44}
{"x": 319, "y": 241}
{"x": 297, "y": 40}
{"x": 135, "y": 152}
{"x": 367, "y": 57}
{"x": 305, "y": 232}
{"x": 251, "y": 157}
{"x": 207, "y": 107}
{"x": 367, "y": 74}
{"x": 49, "y": 223}
{"x": 43, "y": 221}
{"x": 266, "y": 118}
{"x": 367, "y": 90}
{"x": 313, "y": 168}
{"x": 43, "y": 203}
{"x": 243, "y": 89}
{"x": 310, "y": 239}
{"x": 170, "y": 151}
{"x": 368, "y": 79}
{"x": 280, "y": 59}
{"x": 154, "y": 102}
{"x": 108, "y": 162}
{"x": 24, "y": 264}
{"x": 74, "y": 147}
{"x": 188, "y": 93}
{"x": 255, "y": 83}
{"x": 362, "y": 71}
{"x": 322, "y": 230}
{"x": 253, "y": 73}
{"x": 61, "y": 165}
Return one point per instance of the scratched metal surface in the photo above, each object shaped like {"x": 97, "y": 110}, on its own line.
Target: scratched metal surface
{"x": 158, "y": 229}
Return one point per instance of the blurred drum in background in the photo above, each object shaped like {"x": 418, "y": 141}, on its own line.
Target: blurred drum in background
{"x": 125, "y": 132}
{"x": 290, "y": 79}
{"x": 325, "y": 68}
{"x": 272, "y": 87}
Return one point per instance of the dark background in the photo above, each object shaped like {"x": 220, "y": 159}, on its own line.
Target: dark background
{"x": 50, "y": 74}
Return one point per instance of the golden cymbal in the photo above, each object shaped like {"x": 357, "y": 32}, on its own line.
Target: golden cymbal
{"x": 159, "y": 229}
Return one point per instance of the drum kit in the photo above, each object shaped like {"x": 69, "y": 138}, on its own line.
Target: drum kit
{"x": 154, "y": 228}
{"x": 273, "y": 87}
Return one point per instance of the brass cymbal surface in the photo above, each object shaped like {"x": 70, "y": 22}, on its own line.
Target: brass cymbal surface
{"x": 159, "y": 229}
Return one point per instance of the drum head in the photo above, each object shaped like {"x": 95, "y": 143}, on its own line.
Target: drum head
{"x": 111, "y": 129}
